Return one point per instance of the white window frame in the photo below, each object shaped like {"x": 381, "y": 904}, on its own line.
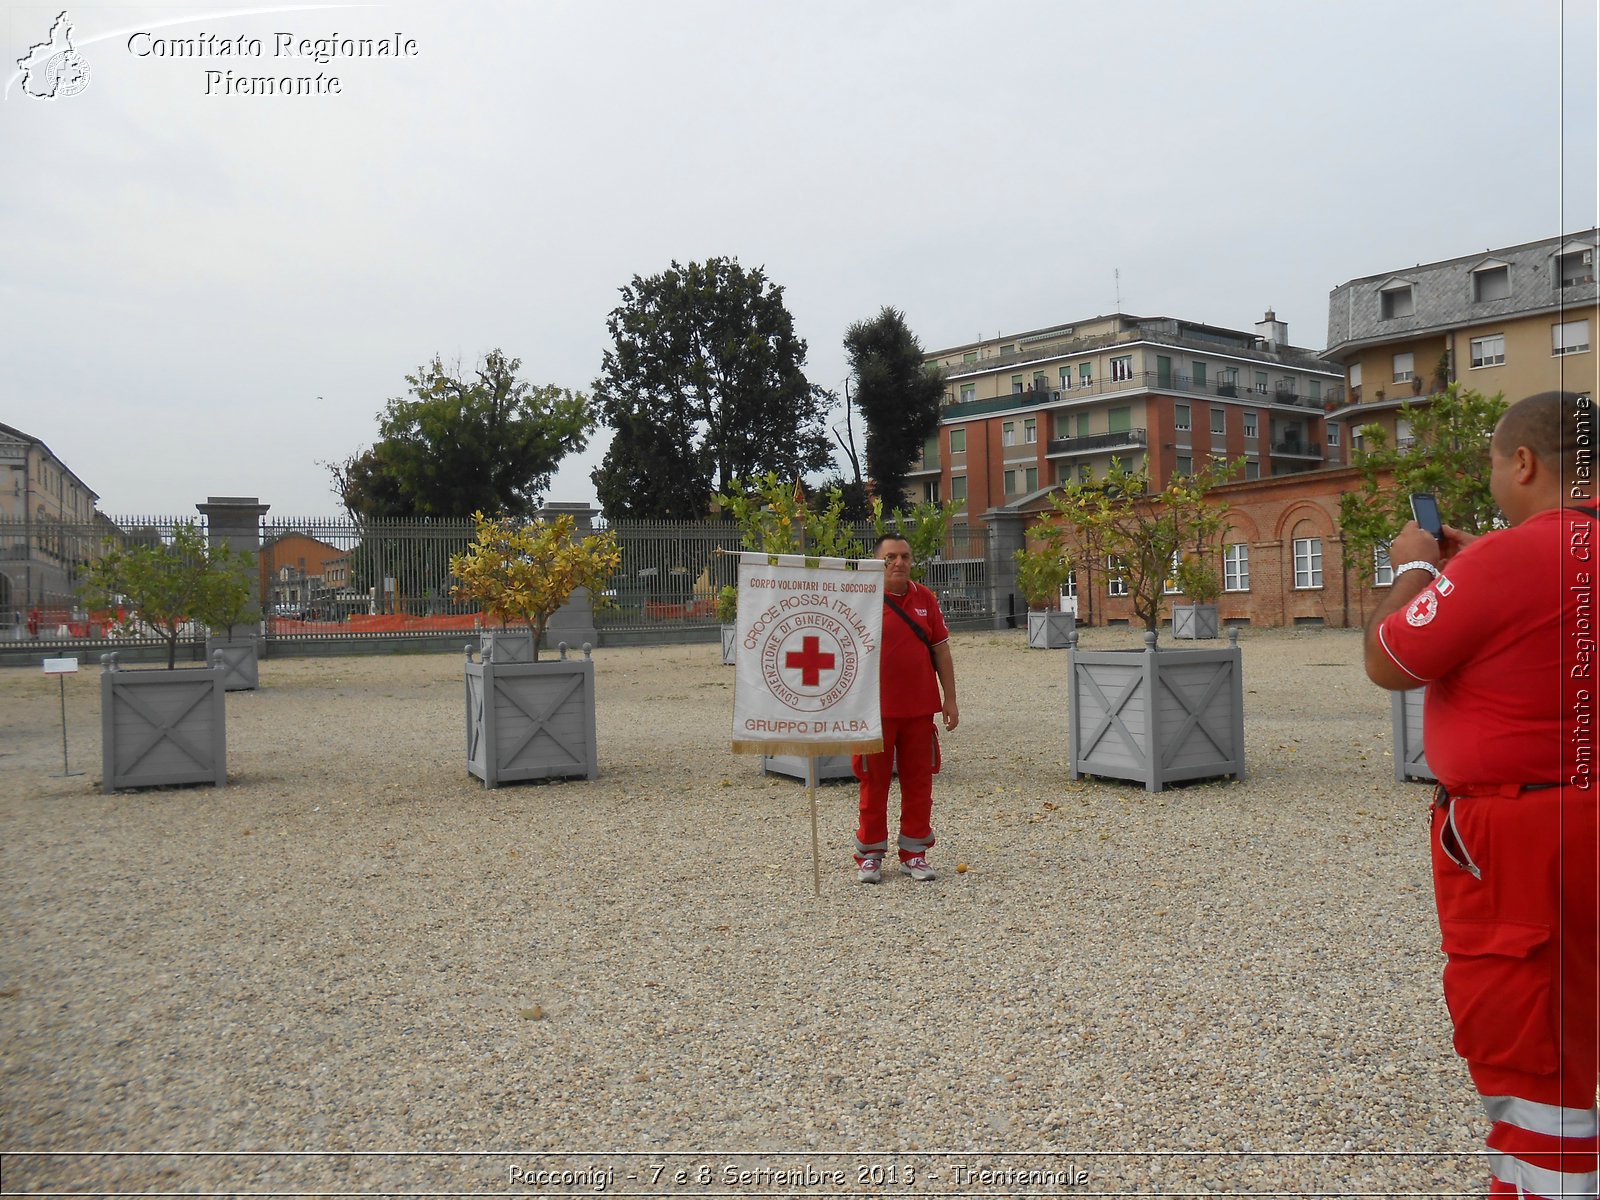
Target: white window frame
{"x": 1382, "y": 568}
{"x": 969, "y": 393}
{"x": 1307, "y": 563}
{"x": 1030, "y": 430}
{"x": 1183, "y": 465}
{"x": 961, "y": 436}
{"x": 1355, "y": 375}
{"x": 1122, "y": 368}
{"x": 1333, "y": 433}
{"x": 1010, "y": 482}
{"x": 1029, "y": 487}
{"x": 1405, "y": 367}
{"x": 1116, "y": 584}
{"x": 1008, "y": 433}
{"x": 1236, "y": 567}
{"x": 1252, "y": 426}
{"x": 1488, "y": 350}
{"x": 958, "y": 489}
{"x": 1219, "y": 419}
{"x": 1577, "y": 331}
{"x": 1180, "y": 417}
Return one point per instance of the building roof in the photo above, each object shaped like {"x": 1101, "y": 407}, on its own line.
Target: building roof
{"x": 1059, "y": 341}
{"x": 1442, "y": 293}
{"x": 10, "y": 432}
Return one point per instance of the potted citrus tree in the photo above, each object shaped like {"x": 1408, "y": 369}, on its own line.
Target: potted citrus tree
{"x": 530, "y": 719}
{"x": 228, "y": 602}
{"x": 1449, "y": 457}
{"x": 1155, "y": 715}
{"x": 1041, "y": 572}
{"x": 727, "y": 614}
{"x": 1199, "y": 582}
{"x": 160, "y": 728}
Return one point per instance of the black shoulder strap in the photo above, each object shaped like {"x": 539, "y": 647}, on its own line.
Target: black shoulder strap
{"x": 915, "y": 628}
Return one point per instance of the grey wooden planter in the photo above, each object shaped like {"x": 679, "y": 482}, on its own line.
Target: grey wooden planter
{"x": 159, "y": 727}
{"x": 1156, "y": 716}
{"x": 829, "y": 766}
{"x": 1050, "y": 630}
{"x": 1405, "y": 711}
{"x": 507, "y": 645}
{"x": 1195, "y": 621}
{"x": 532, "y": 720}
{"x": 240, "y": 660}
{"x": 730, "y": 644}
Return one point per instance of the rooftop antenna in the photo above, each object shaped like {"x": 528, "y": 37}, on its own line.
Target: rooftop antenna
{"x": 1116, "y": 274}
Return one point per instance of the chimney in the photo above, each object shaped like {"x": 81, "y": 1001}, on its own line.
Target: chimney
{"x": 1272, "y": 331}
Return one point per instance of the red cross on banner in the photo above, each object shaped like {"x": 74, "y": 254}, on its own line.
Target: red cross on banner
{"x": 810, "y": 661}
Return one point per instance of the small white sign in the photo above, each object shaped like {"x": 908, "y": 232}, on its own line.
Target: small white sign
{"x": 60, "y": 666}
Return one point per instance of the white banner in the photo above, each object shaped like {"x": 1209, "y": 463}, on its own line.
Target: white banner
{"x": 807, "y": 655}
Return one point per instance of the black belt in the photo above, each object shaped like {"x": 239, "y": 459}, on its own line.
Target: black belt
{"x": 1441, "y": 797}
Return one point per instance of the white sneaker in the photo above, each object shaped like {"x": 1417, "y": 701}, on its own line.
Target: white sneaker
{"x": 918, "y": 868}
{"x": 869, "y": 870}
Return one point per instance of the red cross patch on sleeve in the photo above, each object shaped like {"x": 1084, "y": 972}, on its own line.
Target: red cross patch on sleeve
{"x": 1424, "y": 608}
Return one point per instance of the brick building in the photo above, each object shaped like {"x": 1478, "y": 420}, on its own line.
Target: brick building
{"x": 1282, "y": 562}
{"x": 1031, "y": 410}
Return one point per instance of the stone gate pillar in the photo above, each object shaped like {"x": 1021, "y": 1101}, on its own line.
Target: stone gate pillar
{"x": 573, "y": 622}
{"x": 236, "y": 521}
{"x": 1007, "y": 535}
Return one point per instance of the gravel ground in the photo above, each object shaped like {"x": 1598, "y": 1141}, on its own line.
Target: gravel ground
{"x": 355, "y": 950}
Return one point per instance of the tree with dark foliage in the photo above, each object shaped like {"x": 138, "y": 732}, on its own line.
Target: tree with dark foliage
{"x": 898, "y": 395}
{"x": 704, "y": 384}
{"x": 464, "y": 443}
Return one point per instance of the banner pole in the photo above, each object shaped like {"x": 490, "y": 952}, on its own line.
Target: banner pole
{"x": 811, "y": 793}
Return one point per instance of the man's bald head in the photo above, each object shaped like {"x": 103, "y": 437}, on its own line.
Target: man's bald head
{"x": 1558, "y": 428}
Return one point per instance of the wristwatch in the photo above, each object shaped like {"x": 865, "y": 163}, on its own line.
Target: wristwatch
{"x": 1416, "y": 564}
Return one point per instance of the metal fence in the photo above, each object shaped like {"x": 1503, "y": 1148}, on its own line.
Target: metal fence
{"x": 326, "y": 580}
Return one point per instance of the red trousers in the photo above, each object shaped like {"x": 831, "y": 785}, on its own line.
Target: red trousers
{"x": 910, "y": 744}
{"x": 1515, "y": 878}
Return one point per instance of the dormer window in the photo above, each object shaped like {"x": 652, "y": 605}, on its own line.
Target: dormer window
{"x": 1397, "y": 300}
{"x": 1492, "y": 281}
{"x": 1575, "y": 267}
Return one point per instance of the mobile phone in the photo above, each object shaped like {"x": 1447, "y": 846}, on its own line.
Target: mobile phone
{"x": 1425, "y": 509}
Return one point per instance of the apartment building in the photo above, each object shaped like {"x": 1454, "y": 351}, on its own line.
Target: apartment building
{"x": 1517, "y": 320}
{"x": 1028, "y": 411}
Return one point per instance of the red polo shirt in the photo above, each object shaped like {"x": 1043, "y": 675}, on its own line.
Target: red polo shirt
{"x": 907, "y": 684}
{"x": 1505, "y": 641}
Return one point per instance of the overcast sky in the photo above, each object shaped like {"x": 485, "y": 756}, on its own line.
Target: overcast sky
{"x": 209, "y": 294}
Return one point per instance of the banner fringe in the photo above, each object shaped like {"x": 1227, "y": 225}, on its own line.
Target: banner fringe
{"x": 808, "y": 749}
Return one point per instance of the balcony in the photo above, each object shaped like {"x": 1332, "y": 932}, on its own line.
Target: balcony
{"x": 1297, "y": 449}
{"x": 1099, "y": 443}
{"x": 1145, "y": 381}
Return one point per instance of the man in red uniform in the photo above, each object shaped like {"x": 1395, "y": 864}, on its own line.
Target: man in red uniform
{"x": 1502, "y": 629}
{"x": 915, "y": 670}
